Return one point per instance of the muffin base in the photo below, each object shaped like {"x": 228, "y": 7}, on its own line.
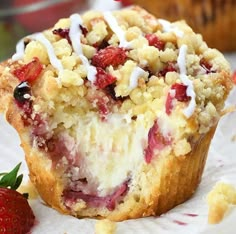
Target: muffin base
{"x": 165, "y": 183}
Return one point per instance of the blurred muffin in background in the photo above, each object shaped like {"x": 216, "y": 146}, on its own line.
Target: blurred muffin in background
{"x": 214, "y": 19}
{"x": 19, "y": 18}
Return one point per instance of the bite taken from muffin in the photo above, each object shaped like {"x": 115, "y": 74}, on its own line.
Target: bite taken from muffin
{"x": 115, "y": 111}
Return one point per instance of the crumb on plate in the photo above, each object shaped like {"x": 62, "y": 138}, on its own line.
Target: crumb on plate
{"x": 105, "y": 226}
{"x": 219, "y": 200}
{"x": 233, "y": 138}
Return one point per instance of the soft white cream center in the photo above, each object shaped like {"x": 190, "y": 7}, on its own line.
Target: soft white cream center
{"x": 112, "y": 151}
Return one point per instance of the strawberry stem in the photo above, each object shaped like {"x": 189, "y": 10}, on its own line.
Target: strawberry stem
{"x": 11, "y": 180}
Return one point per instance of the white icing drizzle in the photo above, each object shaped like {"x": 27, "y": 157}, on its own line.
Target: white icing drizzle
{"x": 168, "y": 27}
{"x": 136, "y": 73}
{"x": 20, "y": 48}
{"x": 184, "y": 78}
{"x": 50, "y": 50}
{"x": 75, "y": 34}
{"x": 112, "y": 22}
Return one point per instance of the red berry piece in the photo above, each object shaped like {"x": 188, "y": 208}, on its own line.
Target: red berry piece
{"x": 234, "y": 77}
{"x": 103, "y": 79}
{"x": 16, "y": 216}
{"x": 153, "y": 40}
{"x": 180, "y": 94}
{"x": 101, "y": 45}
{"x": 110, "y": 55}
{"x": 206, "y": 66}
{"x": 110, "y": 91}
{"x": 156, "y": 141}
{"x": 63, "y": 33}
{"x": 169, "y": 104}
{"x": 22, "y": 92}
{"x": 29, "y": 72}
{"x": 83, "y": 30}
{"x": 103, "y": 109}
{"x": 170, "y": 67}
{"x": 109, "y": 201}
{"x": 125, "y": 2}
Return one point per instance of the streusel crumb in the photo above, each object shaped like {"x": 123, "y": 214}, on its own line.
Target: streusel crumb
{"x": 105, "y": 226}
{"x": 220, "y": 198}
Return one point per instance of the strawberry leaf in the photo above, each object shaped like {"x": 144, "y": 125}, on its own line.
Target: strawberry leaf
{"x": 17, "y": 182}
{"x": 11, "y": 179}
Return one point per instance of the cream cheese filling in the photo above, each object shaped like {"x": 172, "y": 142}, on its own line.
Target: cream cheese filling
{"x": 112, "y": 151}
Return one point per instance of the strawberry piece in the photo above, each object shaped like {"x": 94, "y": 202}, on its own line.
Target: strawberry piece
{"x": 63, "y": 33}
{"x": 103, "y": 79}
{"x": 103, "y": 108}
{"x": 180, "y": 95}
{"x": 234, "y": 77}
{"x": 169, "y": 104}
{"x": 109, "y": 201}
{"x": 16, "y": 216}
{"x": 180, "y": 92}
{"x": 29, "y": 72}
{"x": 156, "y": 141}
{"x": 206, "y": 66}
{"x": 170, "y": 67}
{"x": 153, "y": 40}
{"x": 110, "y": 55}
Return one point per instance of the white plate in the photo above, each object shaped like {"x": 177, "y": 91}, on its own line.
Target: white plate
{"x": 190, "y": 217}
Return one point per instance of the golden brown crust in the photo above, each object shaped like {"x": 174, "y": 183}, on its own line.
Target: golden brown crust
{"x": 215, "y": 20}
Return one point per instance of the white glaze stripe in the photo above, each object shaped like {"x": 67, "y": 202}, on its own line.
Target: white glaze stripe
{"x": 20, "y": 48}
{"x": 136, "y": 73}
{"x": 184, "y": 78}
{"x": 75, "y": 34}
{"x": 168, "y": 27}
{"x": 50, "y": 50}
{"x": 112, "y": 22}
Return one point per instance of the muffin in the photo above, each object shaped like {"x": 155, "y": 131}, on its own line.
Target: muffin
{"x": 115, "y": 111}
{"x": 212, "y": 18}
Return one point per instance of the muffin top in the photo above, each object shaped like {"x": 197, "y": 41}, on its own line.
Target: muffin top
{"x": 122, "y": 67}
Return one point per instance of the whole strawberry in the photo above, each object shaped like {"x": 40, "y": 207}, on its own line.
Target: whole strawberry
{"x": 16, "y": 216}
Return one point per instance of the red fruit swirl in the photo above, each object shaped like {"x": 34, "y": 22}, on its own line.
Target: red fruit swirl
{"x": 156, "y": 141}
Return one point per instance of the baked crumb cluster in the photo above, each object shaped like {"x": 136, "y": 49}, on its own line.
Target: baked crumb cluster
{"x": 120, "y": 86}
{"x": 219, "y": 200}
{"x": 105, "y": 226}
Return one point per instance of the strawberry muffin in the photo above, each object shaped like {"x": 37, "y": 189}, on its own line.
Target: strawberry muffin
{"x": 115, "y": 111}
